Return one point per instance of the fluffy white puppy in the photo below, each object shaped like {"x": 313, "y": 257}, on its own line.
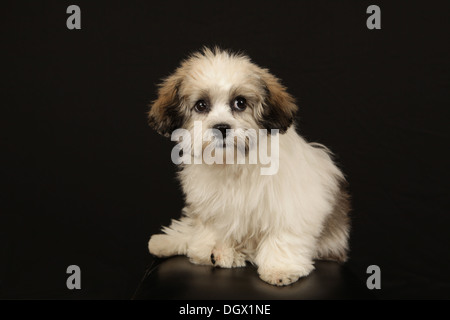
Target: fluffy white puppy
{"x": 279, "y": 222}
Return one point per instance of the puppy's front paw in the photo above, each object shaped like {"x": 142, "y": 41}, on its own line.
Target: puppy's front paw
{"x": 227, "y": 258}
{"x": 280, "y": 277}
{"x": 159, "y": 245}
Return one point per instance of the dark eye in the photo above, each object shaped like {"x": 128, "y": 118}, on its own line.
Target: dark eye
{"x": 201, "y": 106}
{"x": 239, "y": 104}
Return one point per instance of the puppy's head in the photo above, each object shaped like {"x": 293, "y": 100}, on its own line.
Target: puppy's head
{"x": 224, "y": 91}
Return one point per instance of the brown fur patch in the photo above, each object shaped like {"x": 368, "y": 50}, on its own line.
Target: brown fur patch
{"x": 279, "y": 106}
{"x": 333, "y": 242}
{"x": 164, "y": 116}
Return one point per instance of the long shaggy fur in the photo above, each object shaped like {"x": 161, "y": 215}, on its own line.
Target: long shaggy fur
{"x": 233, "y": 214}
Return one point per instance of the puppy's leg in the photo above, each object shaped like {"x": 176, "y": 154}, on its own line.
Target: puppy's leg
{"x": 333, "y": 241}
{"x": 186, "y": 236}
{"x": 200, "y": 245}
{"x": 174, "y": 241}
{"x": 226, "y": 256}
{"x": 282, "y": 259}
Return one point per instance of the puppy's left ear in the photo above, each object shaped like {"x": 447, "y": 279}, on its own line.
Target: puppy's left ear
{"x": 279, "y": 106}
{"x": 165, "y": 114}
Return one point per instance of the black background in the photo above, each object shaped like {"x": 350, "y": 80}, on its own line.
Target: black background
{"x": 85, "y": 181}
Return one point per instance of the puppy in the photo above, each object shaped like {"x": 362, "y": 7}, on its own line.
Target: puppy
{"x": 281, "y": 222}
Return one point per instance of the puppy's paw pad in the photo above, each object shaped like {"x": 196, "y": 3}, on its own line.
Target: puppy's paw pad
{"x": 221, "y": 258}
{"x": 278, "y": 278}
{"x": 283, "y": 278}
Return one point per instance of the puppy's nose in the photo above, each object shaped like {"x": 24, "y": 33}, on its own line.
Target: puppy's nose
{"x": 222, "y": 127}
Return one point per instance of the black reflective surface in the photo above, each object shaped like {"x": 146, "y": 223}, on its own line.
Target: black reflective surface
{"x": 177, "y": 278}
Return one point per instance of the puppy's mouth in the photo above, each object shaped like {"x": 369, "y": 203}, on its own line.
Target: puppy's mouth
{"x": 231, "y": 143}
{"x": 222, "y": 143}
{"x": 218, "y": 143}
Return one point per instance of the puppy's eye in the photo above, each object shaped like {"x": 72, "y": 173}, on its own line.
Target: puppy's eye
{"x": 201, "y": 106}
{"x": 239, "y": 104}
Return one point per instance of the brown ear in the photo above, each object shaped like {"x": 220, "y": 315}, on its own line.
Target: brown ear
{"x": 164, "y": 115}
{"x": 279, "y": 107}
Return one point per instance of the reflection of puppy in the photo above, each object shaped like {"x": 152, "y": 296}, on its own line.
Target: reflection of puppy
{"x": 233, "y": 214}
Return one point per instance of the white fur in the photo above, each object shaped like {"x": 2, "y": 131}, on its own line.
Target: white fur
{"x": 238, "y": 215}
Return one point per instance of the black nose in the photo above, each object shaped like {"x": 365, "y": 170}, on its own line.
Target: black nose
{"x": 222, "y": 127}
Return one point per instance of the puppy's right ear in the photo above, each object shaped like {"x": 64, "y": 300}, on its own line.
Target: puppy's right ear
{"x": 164, "y": 115}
